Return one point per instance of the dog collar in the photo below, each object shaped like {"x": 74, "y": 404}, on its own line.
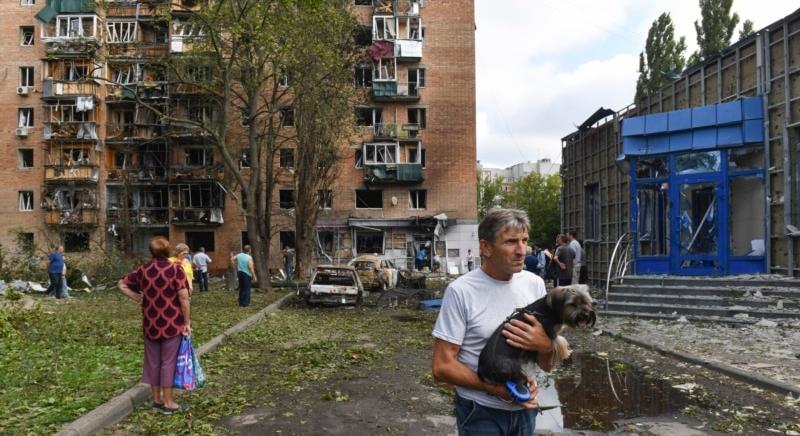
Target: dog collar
{"x": 519, "y": 392}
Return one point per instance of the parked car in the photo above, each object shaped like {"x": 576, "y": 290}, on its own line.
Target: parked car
{"x": 377, "y": 273}
{"x": 334, "y": 284}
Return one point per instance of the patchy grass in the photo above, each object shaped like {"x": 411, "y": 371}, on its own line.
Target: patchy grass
{"x": 290, "y": 351}
{"x": 62, "y": 358}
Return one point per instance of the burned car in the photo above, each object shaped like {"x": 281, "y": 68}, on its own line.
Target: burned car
{"x": 376, "y": 272}
{"x": 334, "y": 284}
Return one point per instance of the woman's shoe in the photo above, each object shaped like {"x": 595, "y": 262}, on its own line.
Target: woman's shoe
{"x": 169, "y": 410}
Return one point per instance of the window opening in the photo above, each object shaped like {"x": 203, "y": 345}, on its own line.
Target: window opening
{"x": 693, "y": 163}
{"x": 746, "y": 220}
{"x": 286, "y": 199}
{"x": 287, "y": 238}
{"x": 76, "y": 242}
{"x": 198, "y": 157}
{"x": 651, "y": 168}
{"x": 417, "y": 116}
{"x": 26, "y": 36}
{"x": 418, "y": 199}
{"x": 653, "y": 219}
{"x": 325, "y": 197}
{"x": 195, "y": 240}
{"x": 287, "y": 117}
{"x": 286, "y": 158}
{"x": 413, "y": 158}
{"x": 369, "y": 199}
{"x": 384, "y": 69}
{"x": 380, "y": 153}
{"x": 363, "y": 76}
{"x": 368, "y": 116}
{"x": 25, "y": 158}
{"x": 369, "y": 242}
{"x": 25, "y": 117}
{"x": 26, "y": 200}
{"x": 121, "y": 31}
{"x": 359, "y": 158}
{"x": 25, "y": 76}
{"x": 740, "y": 159}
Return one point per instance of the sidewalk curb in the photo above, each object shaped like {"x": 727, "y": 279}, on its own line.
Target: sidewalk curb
{"x": 117, "y": 408}
{"x": 736, "y": 373}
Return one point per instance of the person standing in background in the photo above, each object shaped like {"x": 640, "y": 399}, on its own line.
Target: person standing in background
{"x": 246, "y": 271}
{"x": 182, "y": 256}
{"x": 56, "y": 270}
{"x": 470, "y": 260}
{"x": 575, "y": 245}
{"x": 201, "y": 261}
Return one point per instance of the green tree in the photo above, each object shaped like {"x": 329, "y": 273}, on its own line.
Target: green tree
{"x": 715, "y": 28}
{"x": 540, "y": 197}
{"x": 746, "y": 30}
{"x": 490, "y": 194}
{"x": 324, "y": 118}
{"x": 662, "y": 56}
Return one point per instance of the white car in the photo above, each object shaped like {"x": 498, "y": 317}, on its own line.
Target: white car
{"x": 334, "y": 284}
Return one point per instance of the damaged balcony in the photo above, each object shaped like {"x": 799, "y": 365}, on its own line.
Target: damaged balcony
{"x": 399, "y": 35}
{"x": 70, "y": 206}
{"x": 197, "y": 204}
{"x": 70, "y": 34}
{"x": 396, "y": 131}
{"x": 138, "y": 164}
{"x": 148, "y": 9}
{"x": 396, "y": 7}
{"x": 137, "y": 207}
{"x": 395, "y": 91}
{"x": 71, "y": 163}
{"x": 391, "y": 163}
{"x": 132, "y": 39}
{"x": 72, "y": 119}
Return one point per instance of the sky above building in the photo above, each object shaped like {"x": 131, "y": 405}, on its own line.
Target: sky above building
{"x": 544, "y": 66}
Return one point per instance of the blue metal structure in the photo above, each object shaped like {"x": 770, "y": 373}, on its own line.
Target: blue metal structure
{"x": 697, "y": 189}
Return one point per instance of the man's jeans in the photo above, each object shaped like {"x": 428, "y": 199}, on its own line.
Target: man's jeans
{"x": 55, "y": 284}
{"x": 289, "y": 271}
{"x": 245, "y": 282}
{"x": 202, "y": 280}
{"x": 473, "y": 419}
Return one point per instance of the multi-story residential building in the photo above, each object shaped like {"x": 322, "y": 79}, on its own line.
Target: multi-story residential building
{"x": 544, "y": 167}
{"x": 88, "y": 162}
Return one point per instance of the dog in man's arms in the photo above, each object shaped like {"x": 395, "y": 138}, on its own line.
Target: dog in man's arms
{"x": 571, "y": 306}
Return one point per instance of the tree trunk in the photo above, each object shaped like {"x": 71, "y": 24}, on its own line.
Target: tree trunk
{"x": 305, "y": 237}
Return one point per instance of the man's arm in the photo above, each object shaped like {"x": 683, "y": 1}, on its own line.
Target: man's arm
{"x": 252, "y": 267}
{"x": 447, "y": 369}
{"x": 530, "y": 335}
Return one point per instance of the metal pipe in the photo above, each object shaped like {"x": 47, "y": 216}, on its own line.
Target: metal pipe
{"x": 762, "y": 67}
{"x": 787, "y": 159}
{"x": 611, "y": 264}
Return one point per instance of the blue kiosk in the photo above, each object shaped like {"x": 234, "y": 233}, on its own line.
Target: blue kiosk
{"x": 697, "y": 192}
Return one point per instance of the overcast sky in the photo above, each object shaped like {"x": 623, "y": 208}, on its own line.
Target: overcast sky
{"x": 544, "y": 66}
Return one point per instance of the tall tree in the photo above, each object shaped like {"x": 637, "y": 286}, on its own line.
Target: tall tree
{"x": 662, "y": 57}
{"x": 490, "y": 194}
{"x": 540, "y": 197}
{"x": 322, "y": 81}
{"x": 715, "y": 28}
{"x": 746, "y": 30}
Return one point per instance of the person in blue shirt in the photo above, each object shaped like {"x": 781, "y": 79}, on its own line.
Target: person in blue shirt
{"x": 420, "y": 259}
{"x": 246, "y": 271}
{"x": 531, "y": 261}
{"x": 57, "y": 271}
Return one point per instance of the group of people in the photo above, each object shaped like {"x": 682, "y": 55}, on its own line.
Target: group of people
{"x": 563, "y": 266}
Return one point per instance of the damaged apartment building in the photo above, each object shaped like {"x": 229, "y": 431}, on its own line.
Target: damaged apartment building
{"x": 87, "y": 161}
{"x": 702, "y": 178}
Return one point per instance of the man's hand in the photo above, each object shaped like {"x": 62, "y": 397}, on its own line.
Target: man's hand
{"x": 528, "y": 335}
{"x": 500, "y": 391}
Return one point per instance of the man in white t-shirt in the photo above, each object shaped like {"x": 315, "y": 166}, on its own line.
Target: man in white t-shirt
{"x": 473, "y": 306}
{"x": 201, "y": 261}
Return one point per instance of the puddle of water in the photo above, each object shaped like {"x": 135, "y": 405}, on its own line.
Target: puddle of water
{"x": 588, "y": 399}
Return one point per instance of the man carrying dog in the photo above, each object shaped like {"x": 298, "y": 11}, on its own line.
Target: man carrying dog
{"x": 474, "y": 305}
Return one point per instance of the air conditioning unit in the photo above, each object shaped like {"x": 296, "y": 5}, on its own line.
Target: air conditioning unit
{"x": 22, "y": 131}
{"x": 23, "y": 90}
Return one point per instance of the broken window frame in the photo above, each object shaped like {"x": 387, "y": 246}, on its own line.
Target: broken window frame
{"x": 198, "y": 156}
{"x": 25, "y": 117}
{"x": 198, "y": 196}
{"x": 286, "y": 158}
{"x": 25, "y": 162}
{"x": 363, "y": 200}
{"x": 359, "y": 157}
{"x": 417, "y": 116}
{"x": 698, "y": 162}
{"x": 653, "y": 219}
{"x": 366, "y": 242}
{"x": 384, "y": 70}
{"x": 371, "y": 115}
{"x": 244, "y": 161}
{"x": 417, "y": 155}
{"x": 384, "y": 28}
{"x": 197, "y": 239}
{"x": 286, "y": 116}
{"x": 363, "y": 76}
{"x": 75, "y": 26}
{"x": 325, "y": 199}
{"x": 122, "y": 31}
{"x": 26, "y": 36}
{"x": 26, "y": 201}
{"x": 753, "y": 230}
{"x": 418, "y": 199}
{"x": 381, "y": 153}
{"x": 655, "y": 167}
{"x": 125, "y": 74}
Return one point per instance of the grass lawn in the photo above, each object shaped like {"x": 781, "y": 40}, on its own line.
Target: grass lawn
{"x": 294, "y": 350}
{"x": 67, "y": 357}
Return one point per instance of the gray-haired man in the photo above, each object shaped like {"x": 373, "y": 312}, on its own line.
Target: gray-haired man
{"x": 474, "y": 305}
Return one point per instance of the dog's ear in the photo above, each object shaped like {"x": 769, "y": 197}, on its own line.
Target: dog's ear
{"x": 555, "y": 299}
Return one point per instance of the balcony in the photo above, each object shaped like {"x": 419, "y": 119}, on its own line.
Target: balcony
{"x": 147, "y": 9}
{"x": 69, "y": 89}
{"x": 71, "y": 34}
{"x": 71, "y": 173}
{"x": 393, "y": 173}
{"x": 137, "y": 50}
{"x": 74, "y": 130}
{"x": 396, "y": 132}
{"x": 395, "y": 91}
{"x": 211, "y": 172}
{"x": 137, "y": 175}
{"x": 197, "y": 217}
{"x": 141, "y": 217}
{"x": 72, "y": 217}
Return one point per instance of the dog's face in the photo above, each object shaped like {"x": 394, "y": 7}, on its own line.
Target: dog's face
{"x": 575, "y": 305}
